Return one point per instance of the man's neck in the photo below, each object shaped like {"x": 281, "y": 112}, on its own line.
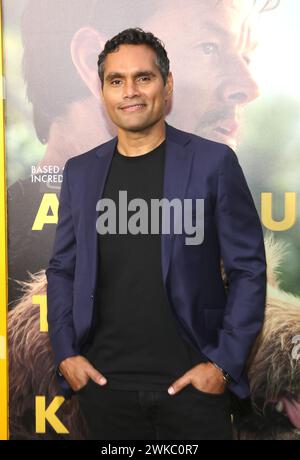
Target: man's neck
{"x": 139, "y": 143}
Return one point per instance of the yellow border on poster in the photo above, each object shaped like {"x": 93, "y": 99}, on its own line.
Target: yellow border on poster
{"x": 4, "y": 435}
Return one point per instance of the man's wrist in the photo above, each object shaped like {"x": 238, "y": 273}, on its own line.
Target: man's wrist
{"x": 226, "y": 377}
{"x": 58, "y": 371}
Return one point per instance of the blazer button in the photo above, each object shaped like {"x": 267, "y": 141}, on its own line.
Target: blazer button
{"x": 92, "y": 296}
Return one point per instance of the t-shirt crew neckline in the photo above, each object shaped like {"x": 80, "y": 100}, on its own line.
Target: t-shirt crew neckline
{"x": 139, "y": 157}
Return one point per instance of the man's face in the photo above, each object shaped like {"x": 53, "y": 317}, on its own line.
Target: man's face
{"x": 210, "y": 64}
{"x": 133, "y": 91}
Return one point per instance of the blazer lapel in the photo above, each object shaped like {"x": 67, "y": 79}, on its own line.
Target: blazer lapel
{"x": 178, "y": 163}
{"x": 97, "y": 180}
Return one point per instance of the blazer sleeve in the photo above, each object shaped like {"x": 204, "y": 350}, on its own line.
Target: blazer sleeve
{"x": 242, "y": 250}
{"x": 60, "y": 276}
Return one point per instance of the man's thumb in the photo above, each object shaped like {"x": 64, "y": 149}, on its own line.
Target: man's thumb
{"x": 97, "y": 376}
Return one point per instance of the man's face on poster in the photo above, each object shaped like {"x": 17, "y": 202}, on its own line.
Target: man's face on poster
{"x": 210, "y": 57}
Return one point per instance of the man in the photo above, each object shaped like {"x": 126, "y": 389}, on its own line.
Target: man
{"x": 208, "y": 100}
{"x": 217, "y": 43}
{"x": 151, "y": 319}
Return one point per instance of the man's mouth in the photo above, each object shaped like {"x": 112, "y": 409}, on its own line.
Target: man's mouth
{"x": 228, "y": 128}
{"x": 133, "y": 107}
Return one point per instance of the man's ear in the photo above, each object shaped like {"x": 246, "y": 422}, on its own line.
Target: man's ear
{"x": 169, "y": 86}
{"x": 86, "y": 44}
{"x": 169, "y": 93}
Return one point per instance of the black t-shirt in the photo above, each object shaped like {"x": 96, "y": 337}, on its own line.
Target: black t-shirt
{"x": 135, "y": 342}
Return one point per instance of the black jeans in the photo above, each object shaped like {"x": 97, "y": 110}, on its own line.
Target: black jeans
{"x": 137, "y": 414}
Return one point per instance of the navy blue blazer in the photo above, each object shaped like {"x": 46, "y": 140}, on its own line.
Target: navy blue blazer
{"x": 220, "y": 321}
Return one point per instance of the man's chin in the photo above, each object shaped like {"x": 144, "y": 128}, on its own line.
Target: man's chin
{"x": 221, "y": 138}
{"x": 231, "y": 143}
{"x": 135, "y": 126}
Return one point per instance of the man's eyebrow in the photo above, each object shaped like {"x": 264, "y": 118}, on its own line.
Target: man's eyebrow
{"x": 215, "y": 28}
{"x": 251, "y": 46}
{"x": 140, "y": 73}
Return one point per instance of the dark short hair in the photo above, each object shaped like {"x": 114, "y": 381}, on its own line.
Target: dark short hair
{"x": 136, "y": 36}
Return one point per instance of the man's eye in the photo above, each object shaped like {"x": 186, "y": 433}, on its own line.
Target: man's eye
{"x": 209, "y": 48}
{"x": 116, "y": 82}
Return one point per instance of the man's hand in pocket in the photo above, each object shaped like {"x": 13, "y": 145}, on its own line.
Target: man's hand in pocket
{"x": 77, "y": 370}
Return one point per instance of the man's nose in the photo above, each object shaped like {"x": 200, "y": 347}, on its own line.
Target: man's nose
{"x": 130, "y": 89}
{"x": 239, "y": 86}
